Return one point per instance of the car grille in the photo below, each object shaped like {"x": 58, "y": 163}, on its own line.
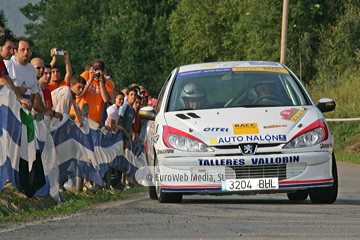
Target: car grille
{"x": 280, "y": 171}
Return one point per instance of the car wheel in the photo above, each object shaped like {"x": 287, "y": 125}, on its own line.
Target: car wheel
{"x": 152, "y": 193}
{"x": 165, "y": 197}
{"x": 326, "y": 195}
{"x": 299, "y": 195}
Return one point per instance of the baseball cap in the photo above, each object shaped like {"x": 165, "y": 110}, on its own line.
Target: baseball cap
{"x": 152, "y": 101}
{"x": 99, "y": 65}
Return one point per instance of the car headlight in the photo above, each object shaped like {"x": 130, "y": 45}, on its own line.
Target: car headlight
{"x": 186, "y": 144}
{"x": 308, "y": 139}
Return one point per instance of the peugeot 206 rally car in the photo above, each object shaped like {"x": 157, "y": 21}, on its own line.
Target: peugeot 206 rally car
{"x": 245, "y": 127}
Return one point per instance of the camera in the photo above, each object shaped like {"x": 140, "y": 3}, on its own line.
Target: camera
{"x": 57, "y": 52}
{"x": 97, "y": 74}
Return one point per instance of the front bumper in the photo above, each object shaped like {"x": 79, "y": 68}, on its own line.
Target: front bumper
{"x": 293, "y": 171}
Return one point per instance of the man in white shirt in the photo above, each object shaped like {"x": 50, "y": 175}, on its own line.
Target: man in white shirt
{"x": 23, "y": 75}
{"x": 7, "y": 48}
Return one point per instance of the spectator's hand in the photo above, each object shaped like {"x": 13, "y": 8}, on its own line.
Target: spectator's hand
{"x": 66, "y": 56}
{"x": 72, "y": 116}
{"x": 137, "y": 139}
{"x": 26, "y": 102}
{"x": 58, "y": 115}
{"x": 52, "y": 52}
{"x": 107, "y": 128}
{"x": 119, "y": 129}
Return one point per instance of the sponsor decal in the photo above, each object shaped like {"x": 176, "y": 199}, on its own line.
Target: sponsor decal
{"x": 245, "y": 128}
{"x": 209, "y": 65}
{"x": 263, "y": 63}
{"x": 249, "y": 148}
{"x": 221, "y": 162}
{"x": 254, "y": 161}
{"x": 198, "y": 72}
{"x": 261, "y": 69}
{"x": 216, "y": 129}
{"x": 325, "y": 145}
{"x": 292, "y": 114}
{"x": 257, "y": 138}
{"x": 166, "y": 151}
{"x": 274, "y": 126}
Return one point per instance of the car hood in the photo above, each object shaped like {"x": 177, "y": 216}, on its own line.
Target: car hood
{"x": 236, "y": 125}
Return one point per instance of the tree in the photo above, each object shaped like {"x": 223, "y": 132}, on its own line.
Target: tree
{"x": 130, "y": 36}
{"x": 64, "y": 24}
{"x": 2, "y": 17}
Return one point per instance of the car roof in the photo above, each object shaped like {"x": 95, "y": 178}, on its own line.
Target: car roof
{"x": 232, "y": 64}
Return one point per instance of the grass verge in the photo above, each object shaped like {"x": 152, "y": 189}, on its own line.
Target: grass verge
{"x": 16, "y": 207}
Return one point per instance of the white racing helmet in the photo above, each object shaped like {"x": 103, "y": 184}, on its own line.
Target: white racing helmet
{"x": 192, "y": 90}
{"x": 253, "y": 91}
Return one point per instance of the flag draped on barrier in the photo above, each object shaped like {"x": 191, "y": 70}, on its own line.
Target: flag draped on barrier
{"x": 60, "y": 151}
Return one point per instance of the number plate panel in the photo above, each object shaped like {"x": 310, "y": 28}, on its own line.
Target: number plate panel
{"x": 250, "y": 184}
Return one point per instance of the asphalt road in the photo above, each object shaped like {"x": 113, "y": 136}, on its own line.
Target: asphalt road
{"x": 205, "y": 217}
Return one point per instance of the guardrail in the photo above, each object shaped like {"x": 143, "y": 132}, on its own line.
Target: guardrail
{"x": 342, "y": 119}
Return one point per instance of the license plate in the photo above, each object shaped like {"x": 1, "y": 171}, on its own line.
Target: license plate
{"x": 250, "y": 184}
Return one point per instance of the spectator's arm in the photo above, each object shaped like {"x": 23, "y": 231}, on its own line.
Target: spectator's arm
{"x": 7, "y": 80}
{"x": 69, "y": 71}
{"x": 39, "y": 106}
{"x": 104, "y": 93}
{"x": 53, "y": 60}
{"x": 87, "y": 86}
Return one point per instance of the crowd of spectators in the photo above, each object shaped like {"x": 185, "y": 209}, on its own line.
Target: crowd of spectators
{"x": 40, "y": 87}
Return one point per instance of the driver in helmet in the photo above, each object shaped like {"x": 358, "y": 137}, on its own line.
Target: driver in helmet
{"x": 264, "y": 88}
{"x": 258, "y": 89}
{"x": 193, "y": 96}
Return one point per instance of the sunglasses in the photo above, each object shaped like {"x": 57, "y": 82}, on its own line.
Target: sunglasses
{"x": 38, "y": 67}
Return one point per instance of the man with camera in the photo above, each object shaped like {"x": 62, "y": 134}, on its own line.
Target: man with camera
{"x": 55, "y": 80}
{"x": 97, "y": 91}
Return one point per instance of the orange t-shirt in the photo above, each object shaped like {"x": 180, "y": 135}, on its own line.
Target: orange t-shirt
{"x": 93, "y": 98}
{"x": 52, "y": 87}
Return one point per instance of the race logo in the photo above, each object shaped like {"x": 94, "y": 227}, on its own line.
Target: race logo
{"x": 215, "y": 129}
{"x": 165, "y": 151}
{"x": 248, "y": 138}
{"x": 292, "y": 114}
{"x": 274, "y": 126}
{"x": 248, "y": 149}
{"x": 245, "y": 128}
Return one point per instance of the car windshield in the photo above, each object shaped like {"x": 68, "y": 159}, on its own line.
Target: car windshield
{"x": 228, "y": 88}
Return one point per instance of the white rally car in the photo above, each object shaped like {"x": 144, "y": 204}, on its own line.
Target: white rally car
{"x": 244, "y": 127}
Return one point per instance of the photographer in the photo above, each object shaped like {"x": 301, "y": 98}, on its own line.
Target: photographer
{"x": 55, "y": 80}
{"x": 97, "y": 91}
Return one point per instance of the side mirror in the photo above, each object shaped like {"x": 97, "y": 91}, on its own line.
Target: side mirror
{"x": 147, "y": 113}
{"x": 326, "y": 105}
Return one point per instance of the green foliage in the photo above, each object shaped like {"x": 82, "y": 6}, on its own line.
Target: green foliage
{"x": 2, "y": 17}
{"x": 142, "y": 41}
{"x": 16, "y": 207}
{"x": 130, "y": 36}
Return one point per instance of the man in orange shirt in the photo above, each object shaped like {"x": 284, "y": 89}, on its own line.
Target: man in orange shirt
{"x": 97, "y": 91}
{"x": 55, "y": 80}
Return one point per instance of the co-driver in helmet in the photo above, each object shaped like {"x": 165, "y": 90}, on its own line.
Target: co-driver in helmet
{"x": 192, "y": 96}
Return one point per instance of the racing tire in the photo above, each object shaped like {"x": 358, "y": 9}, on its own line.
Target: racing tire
{"x": 299, "y": 195}
{"x": 326, "y": 195}
{"x": 164, "y": 197}
{"x": 152, "y": 193}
